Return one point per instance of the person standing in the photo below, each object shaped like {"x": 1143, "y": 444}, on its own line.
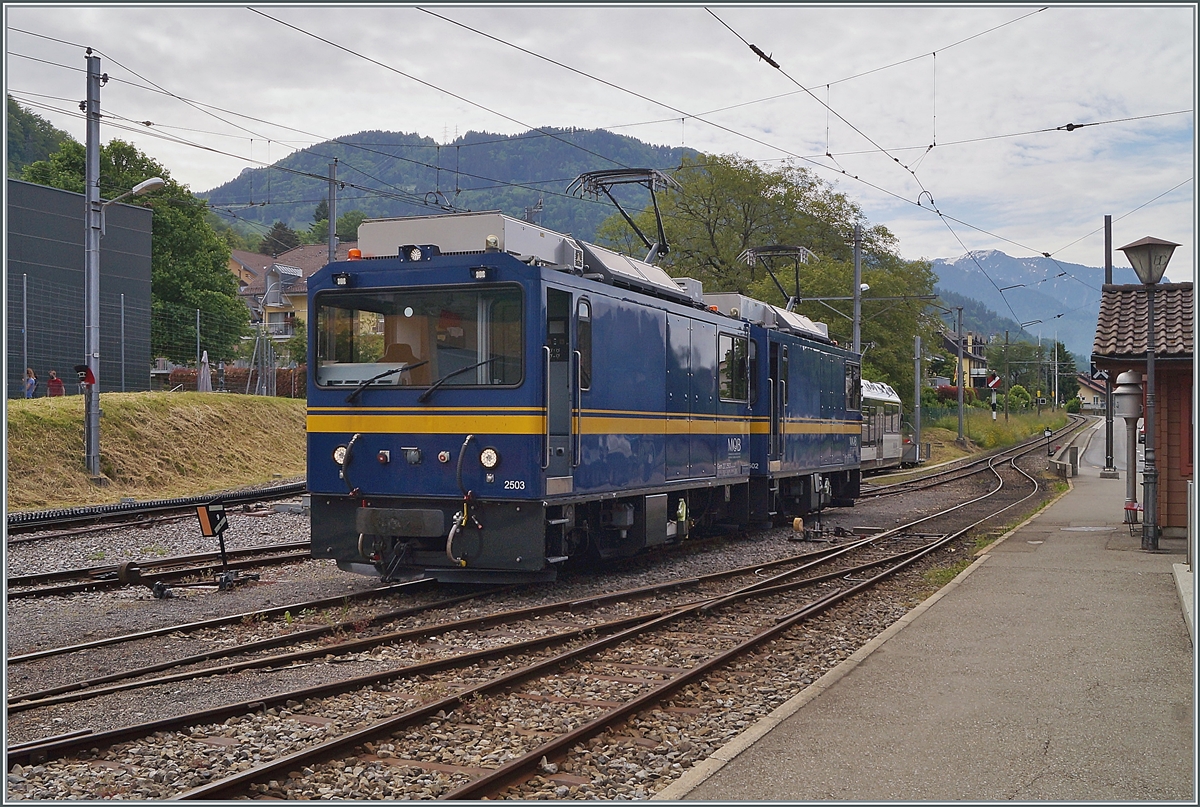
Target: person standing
{"x": 30, "y": 382}
{"x": 55, "y": 386}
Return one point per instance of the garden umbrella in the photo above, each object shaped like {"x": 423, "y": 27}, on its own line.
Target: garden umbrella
{"x": 204, "y": 379}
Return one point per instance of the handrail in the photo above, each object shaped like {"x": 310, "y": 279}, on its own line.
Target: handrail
{"x": 546, "y": 453}
{"x": 783, "y": 395}
{"x": 577, "y": 415}
{"x": 773, "y": 432}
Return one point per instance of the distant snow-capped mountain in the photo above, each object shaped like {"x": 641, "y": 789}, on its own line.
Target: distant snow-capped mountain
{"x": 1064, "y": 296}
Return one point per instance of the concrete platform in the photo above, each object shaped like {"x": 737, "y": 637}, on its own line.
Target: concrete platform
{"x": 1059, "y": 666}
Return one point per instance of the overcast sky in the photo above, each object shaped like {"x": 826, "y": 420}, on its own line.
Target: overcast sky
{"x": 873, "y": 87}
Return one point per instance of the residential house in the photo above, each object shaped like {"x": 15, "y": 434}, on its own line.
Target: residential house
{"x": 974, "y": 358}
{"x": 1092, "y": 395}
{"x": 276, "y": 288}
{"x": 247, "y": 266}
{"x": 1120, "y": 346}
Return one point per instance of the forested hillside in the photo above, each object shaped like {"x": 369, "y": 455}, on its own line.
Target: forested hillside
{"x": 978, "y": 318}
{"x": 398, "y": 174}
{"x": 30, "y": 138}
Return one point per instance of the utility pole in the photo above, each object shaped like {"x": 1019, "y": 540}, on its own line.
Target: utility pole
{"x": 1110, "y": 469}
{"x": 1006, "y": 381}
{"x": 857, "y": 288}
{"x": 962, "y": 371}
{"x": 91, "y": 275}
{"x": 1055, "y": 368}
{"x": 333, "y": 210}
{"x": 917, "y": 395}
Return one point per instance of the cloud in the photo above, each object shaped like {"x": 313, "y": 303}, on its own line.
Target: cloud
{"x": 997, "y": 71}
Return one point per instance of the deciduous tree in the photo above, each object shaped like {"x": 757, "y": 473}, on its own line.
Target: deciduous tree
{"x": 189, "y": 261}
{"x": 728, "y": 204}
{"x": 347, "y": 225}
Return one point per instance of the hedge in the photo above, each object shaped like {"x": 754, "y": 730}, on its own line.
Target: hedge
{"x": 236, "y": 378}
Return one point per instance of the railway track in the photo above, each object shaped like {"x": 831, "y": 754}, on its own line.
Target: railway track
{"x": 165, "y": 570}
{"x": 133, "y": 678}
{"x": 75, "y": 520}
{"x": 459, "y": 684}
{"x": 967, "y": 467}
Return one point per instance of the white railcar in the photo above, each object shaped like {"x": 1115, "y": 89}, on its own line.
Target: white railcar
{"x": 881, "y": 438}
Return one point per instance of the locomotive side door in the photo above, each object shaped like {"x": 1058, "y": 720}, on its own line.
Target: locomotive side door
{"x": 678, "y": 439}
{"x": 778, "y": 373}
{"x": 560, "y": 387}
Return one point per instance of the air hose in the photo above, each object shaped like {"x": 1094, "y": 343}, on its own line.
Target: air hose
{"x": 460, "y": 518}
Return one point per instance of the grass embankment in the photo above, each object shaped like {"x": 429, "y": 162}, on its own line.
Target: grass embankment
{"x": 982, "y": 433}
{"x": 153, "y": 445}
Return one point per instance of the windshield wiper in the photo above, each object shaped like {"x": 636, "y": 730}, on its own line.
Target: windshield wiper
{"x": 424, "y": 396}
{"x": 358, "y": 390}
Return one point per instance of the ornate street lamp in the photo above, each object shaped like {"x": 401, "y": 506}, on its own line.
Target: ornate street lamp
{"x": 1149, "y": 258}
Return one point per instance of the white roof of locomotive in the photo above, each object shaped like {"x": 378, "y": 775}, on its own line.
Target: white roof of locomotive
{"x": 467, "y": 233}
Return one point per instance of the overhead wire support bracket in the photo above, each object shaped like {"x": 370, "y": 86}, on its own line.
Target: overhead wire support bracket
{"x": 596, "y": 182}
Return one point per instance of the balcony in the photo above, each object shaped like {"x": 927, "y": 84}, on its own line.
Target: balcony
{"x": 281, "y": 329}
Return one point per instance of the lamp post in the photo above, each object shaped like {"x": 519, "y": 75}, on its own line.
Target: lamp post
{"x": 91, "y": 312}
{"x": 1127, "y": 401}
{"x": 1149, "y": 258}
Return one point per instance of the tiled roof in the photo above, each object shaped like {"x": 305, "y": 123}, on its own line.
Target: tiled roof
{"x": 1087, "y": 381}
{"x": 970, "y": 350}
{"x": 254, "y": 261}
{"x": 311, "y": 257}
{"x": 298, "y": 262}
{"x": 1121, "y": 327}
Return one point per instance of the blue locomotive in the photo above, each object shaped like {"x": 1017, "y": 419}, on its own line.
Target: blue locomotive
{"x": 488, "y": 398}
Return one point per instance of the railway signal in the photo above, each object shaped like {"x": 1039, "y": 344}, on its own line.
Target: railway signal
{"x": 213, "y": 524}
{"x": 993, "y": 383}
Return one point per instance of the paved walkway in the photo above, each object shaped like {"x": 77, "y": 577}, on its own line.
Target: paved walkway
{"x": 1059, "y": 666}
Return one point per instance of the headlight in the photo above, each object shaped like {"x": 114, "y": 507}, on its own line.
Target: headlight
{"x": 488, "y": 458}
{"x": 339, "y": 455}
{"x": 414, "y": 253}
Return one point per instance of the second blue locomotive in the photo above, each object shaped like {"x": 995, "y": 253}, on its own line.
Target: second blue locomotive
{"x": 488, "y": 398}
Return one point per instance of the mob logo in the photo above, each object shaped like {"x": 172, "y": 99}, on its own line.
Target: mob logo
{"x": 735, "y": 446}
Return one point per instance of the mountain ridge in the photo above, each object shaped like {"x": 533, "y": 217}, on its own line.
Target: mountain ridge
{"x": 1046, "y": 296}
{"x": 388, "y": 174}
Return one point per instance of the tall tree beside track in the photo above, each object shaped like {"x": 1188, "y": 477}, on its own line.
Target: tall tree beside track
{"x": 728, "y": 204}
{"x": 189, "y": 261}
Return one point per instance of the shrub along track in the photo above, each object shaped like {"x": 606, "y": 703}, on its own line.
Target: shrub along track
{"x": 280, "y": 723}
